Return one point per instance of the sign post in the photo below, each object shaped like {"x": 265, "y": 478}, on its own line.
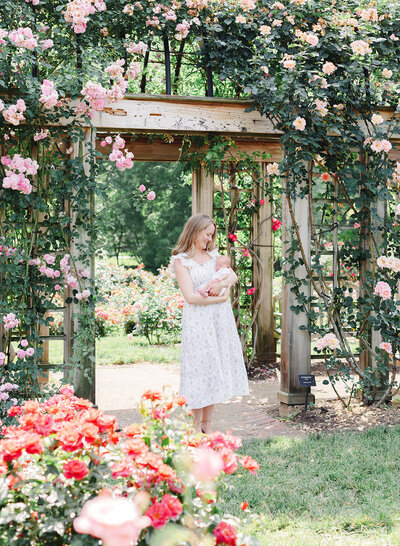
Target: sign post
{"x": 306, "y": 380}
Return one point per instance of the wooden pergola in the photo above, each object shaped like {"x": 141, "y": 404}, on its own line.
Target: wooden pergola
{"x": 179, "y": 116}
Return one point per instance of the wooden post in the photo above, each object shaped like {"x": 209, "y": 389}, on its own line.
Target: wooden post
{"x": 83, "y": 372}
{"x": 263, "y": 244}
{"x": 202, "y": 192}
{"x": 377, "y": 220}
{"x": 295, "y": 343}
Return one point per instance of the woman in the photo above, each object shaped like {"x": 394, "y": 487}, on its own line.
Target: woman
{"x": 212, "y": 366}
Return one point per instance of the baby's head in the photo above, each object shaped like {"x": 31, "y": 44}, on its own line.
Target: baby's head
{"x": 221, "y": 262}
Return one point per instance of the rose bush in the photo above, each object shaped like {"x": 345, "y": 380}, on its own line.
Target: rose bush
{"x": 139, "y": 302}
{"x": 161, "y": 478}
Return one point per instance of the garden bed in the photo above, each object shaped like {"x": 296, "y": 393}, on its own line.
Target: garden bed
{"x": 332, "y": 416}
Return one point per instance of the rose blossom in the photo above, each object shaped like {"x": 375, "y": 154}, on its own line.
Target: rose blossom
{"x": 151, "y": 195}
{"x": 377, "y": 119}
{"x": 329, "y": 340}
{"x": 273, "y": 169}
{"x": 76, "y": 469}
{"x": 360, "y": 47}
{"x": 299, "y": 123}
{"x": 328, "y": 68}
{"x": 385, "y": 346}
{"x": 265, "y": 30}
{"x": 208, "y": 464}
{"x": 383, "y": 290}
{"x": 289, "y": 64}
{"x": 225, "y": 533}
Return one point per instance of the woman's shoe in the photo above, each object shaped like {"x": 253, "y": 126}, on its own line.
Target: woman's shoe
{"x": 206, "y": 427}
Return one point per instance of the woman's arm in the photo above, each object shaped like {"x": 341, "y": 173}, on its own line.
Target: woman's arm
{"x": 186, "y": 286}
{"x": 214, "y": 287}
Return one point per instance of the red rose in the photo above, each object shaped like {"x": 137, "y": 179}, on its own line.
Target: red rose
{"x": 159, "y": 514}
{"x": 165, "y": 472}
{"x": 225, "y": 534}
{"x": 250, "y": 464}
{"x": 106, "y": 422}
{"x": 14, "y": 410}
{"x": 180, "y": 400}
{"x": 173, "y": 504}
{"x": 82, "y": 404}
{"x": 75, "y": 469}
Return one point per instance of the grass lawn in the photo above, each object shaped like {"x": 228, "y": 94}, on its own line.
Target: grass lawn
{"x": 340, "y": 488}
{"x": 120, "y": 350}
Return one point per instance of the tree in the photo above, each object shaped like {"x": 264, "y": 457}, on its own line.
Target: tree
{"x": 146, "y": 230}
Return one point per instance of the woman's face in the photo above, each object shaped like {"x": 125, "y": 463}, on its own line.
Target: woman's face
{"x": 204, "y": 237}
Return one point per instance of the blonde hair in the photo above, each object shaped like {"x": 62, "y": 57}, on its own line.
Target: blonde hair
{"x": 193, "y": 227}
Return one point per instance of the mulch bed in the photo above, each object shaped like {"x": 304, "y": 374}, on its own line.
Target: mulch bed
{"x": 332, "y": 416}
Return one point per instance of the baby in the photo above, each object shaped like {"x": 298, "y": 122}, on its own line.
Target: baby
{"x": 222, "y": 270}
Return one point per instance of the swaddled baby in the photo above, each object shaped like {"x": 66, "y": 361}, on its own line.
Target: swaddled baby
{"x": 222, "y": 270}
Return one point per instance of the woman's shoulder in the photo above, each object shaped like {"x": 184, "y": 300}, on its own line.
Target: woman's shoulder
{"x": 182, "y": 257}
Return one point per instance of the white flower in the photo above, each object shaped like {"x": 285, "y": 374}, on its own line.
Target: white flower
{"x": 377, "y": 119}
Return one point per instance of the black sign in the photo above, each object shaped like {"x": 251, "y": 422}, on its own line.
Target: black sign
{"x": 306, "y": 380}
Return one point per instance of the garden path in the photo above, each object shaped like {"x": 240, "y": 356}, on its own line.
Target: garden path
{"x": 119, "y": 388}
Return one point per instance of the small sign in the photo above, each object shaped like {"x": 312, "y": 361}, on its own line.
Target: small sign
{"x": 306, "y": 380}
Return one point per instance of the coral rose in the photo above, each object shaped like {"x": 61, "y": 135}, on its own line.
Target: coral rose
{"x": 250, "y": 464}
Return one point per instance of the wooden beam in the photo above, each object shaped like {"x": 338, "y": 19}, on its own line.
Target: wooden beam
{"x": 183, "y": 115}
{"x": 157, "y": 149}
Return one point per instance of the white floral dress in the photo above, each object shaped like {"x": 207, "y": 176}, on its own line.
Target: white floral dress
{"x": 212, "y": 366}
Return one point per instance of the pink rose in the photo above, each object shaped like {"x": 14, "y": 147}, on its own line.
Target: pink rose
{"x": 208, "y": 464}
{"x": 142, "y": 188}
{"x": 151, "y": 196}
{"x": 116, "y": 520}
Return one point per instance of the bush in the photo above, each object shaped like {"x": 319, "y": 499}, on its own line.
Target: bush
{"x": 64, "y": 452}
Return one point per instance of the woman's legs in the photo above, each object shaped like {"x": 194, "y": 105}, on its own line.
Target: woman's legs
{"x": 197, "y": 417}
{"x": 206, "y": 418}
